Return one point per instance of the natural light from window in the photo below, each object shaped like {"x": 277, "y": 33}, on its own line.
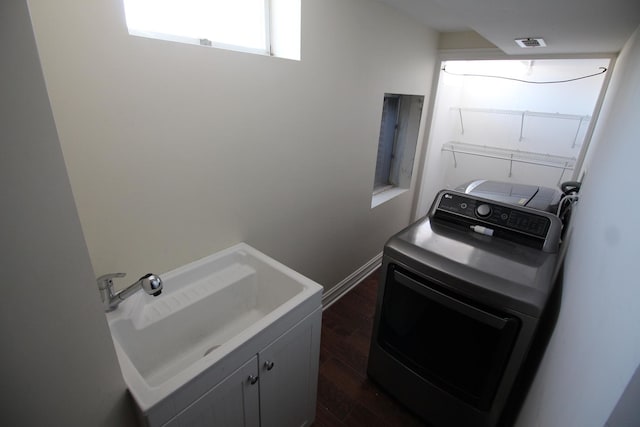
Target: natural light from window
{"x": 268, "y": 27}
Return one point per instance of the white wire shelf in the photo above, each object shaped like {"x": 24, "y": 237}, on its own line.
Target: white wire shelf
{"x": 523, "y": 114}
{"x": 512, "y": 156}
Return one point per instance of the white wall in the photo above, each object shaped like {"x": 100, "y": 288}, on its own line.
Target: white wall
{"x": 464, "y": 40}
{"x": 436, "y": 162}
{"x": 57, "y": 364}
{"x": 595, "y": 347}
{"x": 176, "y": 151}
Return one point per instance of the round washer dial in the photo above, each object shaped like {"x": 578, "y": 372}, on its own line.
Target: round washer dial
{"x": 483, "y": 210}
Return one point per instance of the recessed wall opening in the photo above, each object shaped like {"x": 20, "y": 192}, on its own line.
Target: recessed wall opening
{"x": 397, "y": 143}
{"x": 518, "y": 121}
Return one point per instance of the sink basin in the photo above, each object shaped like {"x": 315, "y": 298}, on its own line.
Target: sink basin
{"x": 207, "y": 309}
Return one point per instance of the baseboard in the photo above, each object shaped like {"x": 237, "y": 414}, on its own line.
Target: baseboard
{"x": 335, "y": 293}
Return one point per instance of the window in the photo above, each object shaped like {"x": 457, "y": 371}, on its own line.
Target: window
{"x": 397, "y": 143}
{"x": 268, "y": 27}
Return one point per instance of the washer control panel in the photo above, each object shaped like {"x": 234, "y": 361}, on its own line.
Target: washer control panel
{"x": 471, "y": 210}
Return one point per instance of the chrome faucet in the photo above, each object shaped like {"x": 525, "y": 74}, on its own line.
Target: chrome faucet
{"x": 151, "y": 283}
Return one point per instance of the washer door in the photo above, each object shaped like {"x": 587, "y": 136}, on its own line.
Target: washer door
{"x": 461, "y": 348}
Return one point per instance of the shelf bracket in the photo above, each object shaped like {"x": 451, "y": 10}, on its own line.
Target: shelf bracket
{"x": 455, "y": 161}
{"x": 566, "y": 164}
{"x": 511, "y": 166}
{"x": 575, "y": 139}
{"x": 461, "y": 121}
{"x": 522, "y": 127}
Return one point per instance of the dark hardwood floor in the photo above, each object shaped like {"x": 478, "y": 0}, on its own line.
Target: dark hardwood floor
{"x": 345, "y": 396}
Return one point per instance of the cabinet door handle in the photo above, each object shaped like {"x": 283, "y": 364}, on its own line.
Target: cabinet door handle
{"x": 269, "y": 365}
{"x": 253, "y": 379}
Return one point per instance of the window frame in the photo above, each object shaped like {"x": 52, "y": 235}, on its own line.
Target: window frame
{"x": 266, "y": 51}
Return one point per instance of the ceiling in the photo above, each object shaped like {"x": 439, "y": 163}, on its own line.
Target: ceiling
{"x": 567, "y": 26}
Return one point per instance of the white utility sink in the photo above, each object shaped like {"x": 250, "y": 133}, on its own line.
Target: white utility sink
{"x": 207, "y": 309}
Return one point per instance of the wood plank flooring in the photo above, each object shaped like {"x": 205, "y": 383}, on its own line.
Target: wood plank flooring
{"x": 345, "y": 396}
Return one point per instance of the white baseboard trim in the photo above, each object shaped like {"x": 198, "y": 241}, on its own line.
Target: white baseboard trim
{"x": 335, "y": 293}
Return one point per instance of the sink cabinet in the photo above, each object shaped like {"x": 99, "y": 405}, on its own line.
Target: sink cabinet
{"x": 232, "y": 402}
{"x": 289, "y": 376}
{"x": 276, "y": 387}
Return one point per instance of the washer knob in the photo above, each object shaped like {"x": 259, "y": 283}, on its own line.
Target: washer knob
{"x": 483, "y": 211}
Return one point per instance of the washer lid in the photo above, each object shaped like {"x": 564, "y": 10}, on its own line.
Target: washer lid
{"x": 531, "y": 196}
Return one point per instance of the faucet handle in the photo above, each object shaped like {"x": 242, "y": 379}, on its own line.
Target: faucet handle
{"x": 106, "y": 279}
{"x": 152, "y": 284}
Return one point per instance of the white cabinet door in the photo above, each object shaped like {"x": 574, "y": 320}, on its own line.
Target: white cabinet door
{"x": 232, "y": 403}
{"x": 289, "y": 375}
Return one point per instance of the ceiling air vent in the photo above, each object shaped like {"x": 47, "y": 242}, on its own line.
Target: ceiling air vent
{"x": 531, "y": 42}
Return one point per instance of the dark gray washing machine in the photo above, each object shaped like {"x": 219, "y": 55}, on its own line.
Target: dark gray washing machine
{"x": 461, "y": 297}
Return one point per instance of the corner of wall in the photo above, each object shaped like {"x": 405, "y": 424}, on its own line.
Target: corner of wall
{"x": 463, "y": 40}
